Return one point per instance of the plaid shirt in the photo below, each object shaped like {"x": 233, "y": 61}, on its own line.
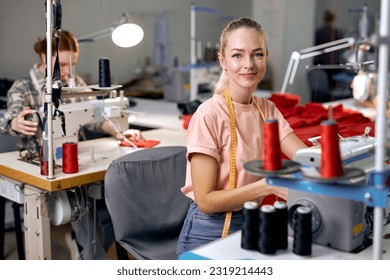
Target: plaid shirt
{"x": 23, "y": 93}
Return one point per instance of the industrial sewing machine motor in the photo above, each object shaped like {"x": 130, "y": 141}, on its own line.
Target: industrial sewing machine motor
{"x": 338, "y": 223}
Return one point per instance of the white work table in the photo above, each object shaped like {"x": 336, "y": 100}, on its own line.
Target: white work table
{"x": 155, "y": 113}
{"x": 105, "y": 150}
{"x": 229, "y": 248}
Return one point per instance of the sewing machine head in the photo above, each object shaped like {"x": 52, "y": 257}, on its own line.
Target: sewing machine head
{"x": 339, "y": 223}
{"x": 75, "y": 115}
{"x": 364, "y": 85}
{"x": 355, "y": 151}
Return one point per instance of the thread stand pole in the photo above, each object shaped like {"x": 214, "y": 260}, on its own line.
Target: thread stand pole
{"x": 381, "y": 126}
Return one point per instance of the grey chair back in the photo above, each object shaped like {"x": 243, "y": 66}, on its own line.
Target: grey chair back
{"x": 143, "y": 197}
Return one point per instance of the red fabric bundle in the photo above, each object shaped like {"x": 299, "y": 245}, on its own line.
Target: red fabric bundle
{"x": 141, "y": 144}
{"x": 306, "y": 119}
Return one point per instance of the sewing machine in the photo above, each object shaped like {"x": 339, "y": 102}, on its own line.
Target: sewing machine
{"x": 355, "y": 151}
{"x": 338, "y": 223}
{"x": 78, "y": 114}
{"x": 177, "y": 85}
{"x": 65, "y": 206}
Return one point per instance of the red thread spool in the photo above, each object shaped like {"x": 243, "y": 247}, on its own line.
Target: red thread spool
{"x": 44, "y": 167}
{"x": 69, "y": 158}
{"x": 272, "y": 152}
{"x": 331, "y": 165}
{"x": 44, "y": 164}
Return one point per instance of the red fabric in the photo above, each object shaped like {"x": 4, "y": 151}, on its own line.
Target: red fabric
{"x": 306, "y": 119}
{"x": 287, "y": 101}
{"x": 186, "y": 120}
{"x": 141, "y": 144}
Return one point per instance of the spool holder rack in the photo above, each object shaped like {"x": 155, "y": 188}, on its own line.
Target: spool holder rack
{"x": 374, "y": 194}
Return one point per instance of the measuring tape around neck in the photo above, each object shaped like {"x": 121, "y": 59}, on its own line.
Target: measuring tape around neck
{"x": 232, "y": 174}
{"x": 233, "y": 144}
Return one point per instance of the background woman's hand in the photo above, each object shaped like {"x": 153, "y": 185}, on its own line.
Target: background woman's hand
{"x": 21, "y": 123}
{"x": 133, "y": 134}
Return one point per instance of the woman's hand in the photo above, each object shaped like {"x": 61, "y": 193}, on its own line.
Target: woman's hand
{"x": 280, "y": 192}
{"x": 21, "y": 124}
{"x": 133, "y": 134}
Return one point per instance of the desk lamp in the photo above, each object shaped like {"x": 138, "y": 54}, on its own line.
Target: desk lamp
{"x": 124, "y": 34}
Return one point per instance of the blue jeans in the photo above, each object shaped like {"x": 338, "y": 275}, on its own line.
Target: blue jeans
{"x": 199, "y": 228}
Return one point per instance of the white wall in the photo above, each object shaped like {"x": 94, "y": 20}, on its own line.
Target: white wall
{"x": 23, "y": 21}
{"x": 289, "y": 25}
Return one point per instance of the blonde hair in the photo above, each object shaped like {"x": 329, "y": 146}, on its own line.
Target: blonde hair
{"x": 243, "y": 22}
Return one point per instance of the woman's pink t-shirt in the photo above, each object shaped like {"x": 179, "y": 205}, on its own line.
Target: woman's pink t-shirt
{"x": 209, "y": 133}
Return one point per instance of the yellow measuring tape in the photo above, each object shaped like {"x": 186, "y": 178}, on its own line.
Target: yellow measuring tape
{"x": 232, "y": 175}
{"x": 262, "y": 117}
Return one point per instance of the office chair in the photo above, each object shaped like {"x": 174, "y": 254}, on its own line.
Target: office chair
{"x": 143, "y": 197}
{"x": 321, "y": 89}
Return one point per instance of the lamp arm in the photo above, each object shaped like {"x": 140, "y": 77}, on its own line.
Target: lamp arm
{"x": 96, "y": 35}
{"x": 296, "y": 56}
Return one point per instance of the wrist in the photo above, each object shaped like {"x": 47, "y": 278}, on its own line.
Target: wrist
{"x": 11, "y": 125}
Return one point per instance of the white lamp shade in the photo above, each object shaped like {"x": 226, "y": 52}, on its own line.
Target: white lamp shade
{"x": 127, "y": 35}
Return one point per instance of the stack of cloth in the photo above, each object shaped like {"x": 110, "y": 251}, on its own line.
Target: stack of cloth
{"x": 305, "y": 119}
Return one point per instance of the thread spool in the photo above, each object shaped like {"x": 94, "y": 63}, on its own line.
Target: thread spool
{"x": 281, "y": 221}
{"x": 331, "y": 165}
{"x": 44, "y": 167}
{"x": 302, "y": 231}
{"x": 272, "y": 151}
{"x": 104, "y": 72}
{"x": 69, "y": 157}
{"x": 250, "y": 226}
{"x": 44, "y": 164}
{"x": 266, "y": 241}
